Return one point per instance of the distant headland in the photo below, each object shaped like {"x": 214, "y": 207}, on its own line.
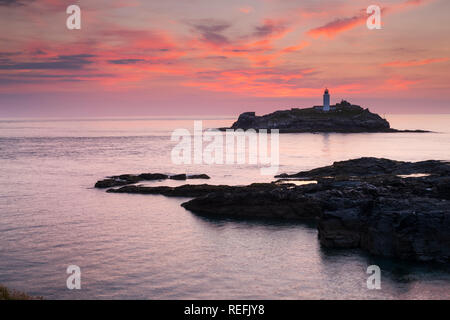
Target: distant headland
{"x": 342, "y": 117}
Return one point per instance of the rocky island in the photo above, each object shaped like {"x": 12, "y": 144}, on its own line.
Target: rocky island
{"x": 342, "y": 117}
{"x": 389, "y": 208}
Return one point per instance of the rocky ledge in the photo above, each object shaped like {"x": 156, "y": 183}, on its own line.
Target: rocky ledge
{"x": 343, "y": 118}
{"x": 126, "y": 179}
{"x": 389, "y": 208}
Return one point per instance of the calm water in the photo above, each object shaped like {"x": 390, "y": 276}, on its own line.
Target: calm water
{"x": 148, "y": 247}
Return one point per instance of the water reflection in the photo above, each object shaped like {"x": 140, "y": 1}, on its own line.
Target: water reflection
{"x": 326, "y": 144}
{"x": 262, "y": 223}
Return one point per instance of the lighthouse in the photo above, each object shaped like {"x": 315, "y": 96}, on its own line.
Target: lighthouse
{"x": 326, "y": 101}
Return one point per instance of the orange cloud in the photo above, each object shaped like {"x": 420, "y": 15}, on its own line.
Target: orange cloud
{"x": 396, "y": 84}
{"x": 246, "y": 9}
{"x": 270, "y": 89}
{"x": 264, "y": 82}
{"x": 249, "y": 63}
{"x": 299, "y": 47}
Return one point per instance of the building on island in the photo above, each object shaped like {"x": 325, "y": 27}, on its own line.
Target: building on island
{"x": 326, "y": 101}
{"x": 325, "y": 107}
{"x": 338, "y": 107}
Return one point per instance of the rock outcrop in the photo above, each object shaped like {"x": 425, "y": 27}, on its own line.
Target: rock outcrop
{"x": 267, "y": 201}
{"x": 343, "y": 117}
{"x": 414, "y": 229}
{"x": 126, "y": 179}
{"x": 389, "y": 208}
{"x": 369, "y": 166}
{"x": 187, "y": 190}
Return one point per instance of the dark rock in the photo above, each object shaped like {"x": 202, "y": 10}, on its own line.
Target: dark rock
{"x": 412, "y": 229}
{"x": 198, "y": 176}
{"x": 187, "y": 190}
{"x": 442, "y": 188}
{"x": 271, "y": 202}
{"x": 178, "y": 177}
{"x": 115, "y": 181}
{"x": 246, "y": 120}
{"x": 373, "y": 166}
{"x": 126, "y": 179}
{"x": 192, "y": 190}
{"x": 153, "y": 176}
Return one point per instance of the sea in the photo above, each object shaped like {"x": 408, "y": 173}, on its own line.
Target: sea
{"x": 149, "y": 247}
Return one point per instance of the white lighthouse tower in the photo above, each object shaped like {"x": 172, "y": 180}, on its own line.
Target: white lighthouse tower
{"x": 326, "y": 101}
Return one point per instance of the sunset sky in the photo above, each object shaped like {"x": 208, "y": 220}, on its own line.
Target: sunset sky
{"x": 210, "y": 57}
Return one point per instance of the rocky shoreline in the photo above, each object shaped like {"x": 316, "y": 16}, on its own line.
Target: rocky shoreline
{"x": 342, "y": 118}
{"x": 386, "y": 207}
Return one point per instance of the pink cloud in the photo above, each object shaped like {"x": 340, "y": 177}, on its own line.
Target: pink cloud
{"x": 331, "y": 29}
{"x": 412, "y": 63}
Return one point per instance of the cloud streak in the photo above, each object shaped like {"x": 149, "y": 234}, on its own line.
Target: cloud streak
{"x": 413, "y": 63}
{"x": 62, "y": 62}
{"x": 339, "y": 25}
{"x": 14, "y": 3}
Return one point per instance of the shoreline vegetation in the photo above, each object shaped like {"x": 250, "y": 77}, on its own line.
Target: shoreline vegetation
{"x": 343, "y": 117}
{"x": 11, "y": 294}
{"x": 388, "y": 208}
